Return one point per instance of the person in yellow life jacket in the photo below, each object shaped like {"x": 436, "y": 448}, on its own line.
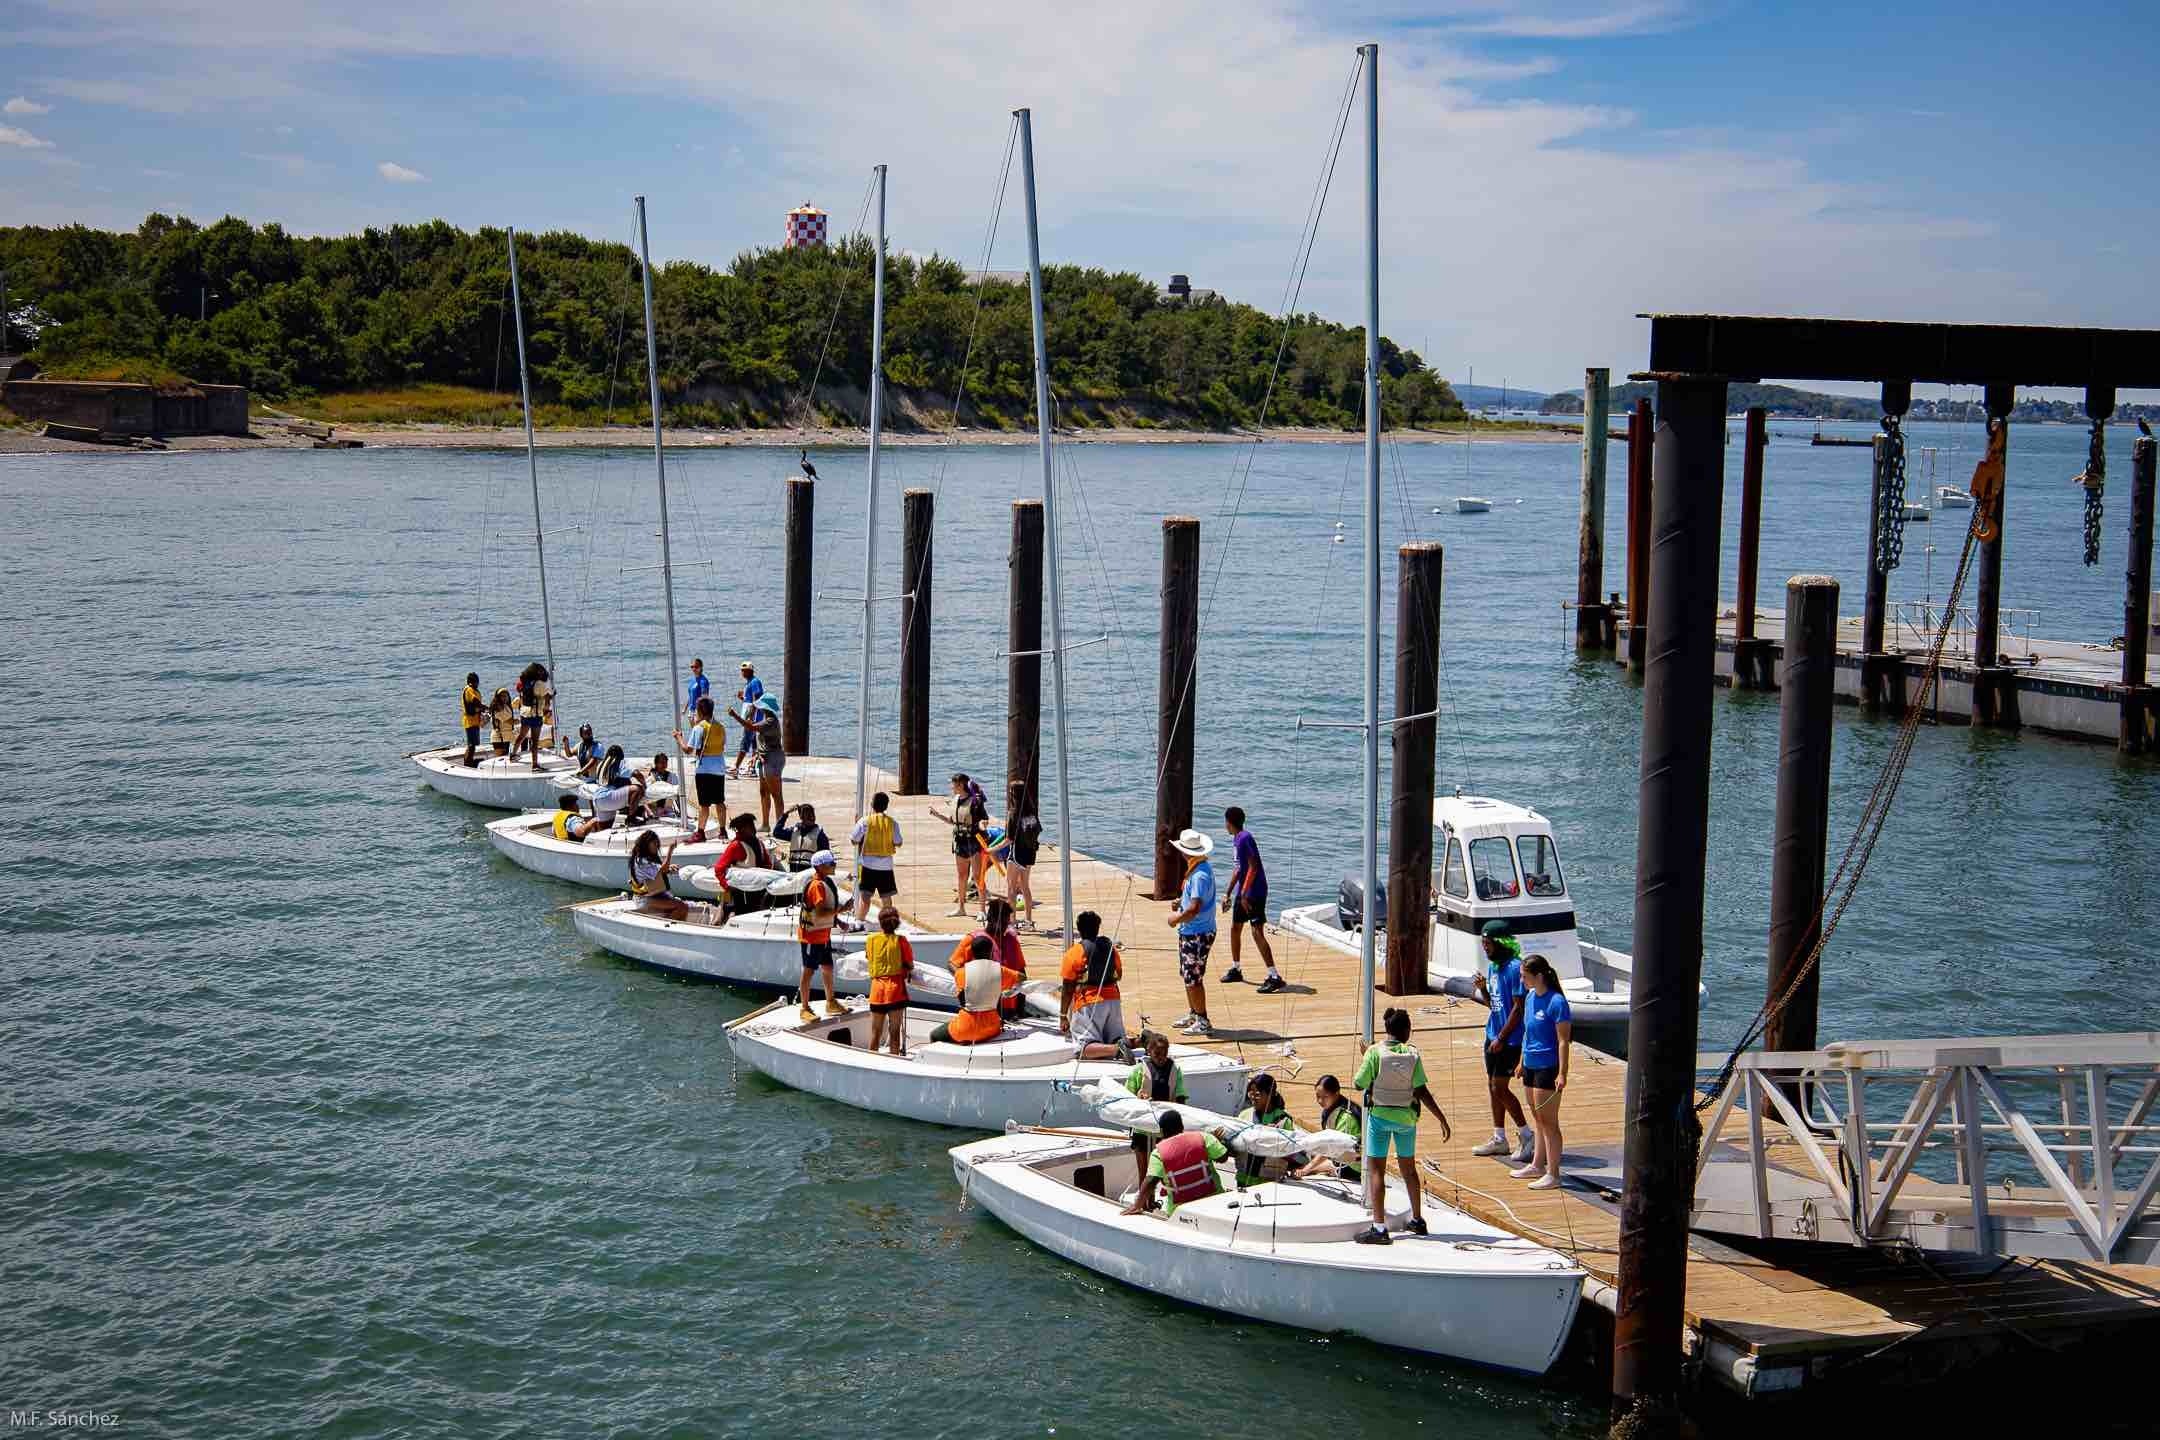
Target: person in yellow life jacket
{"x": 983, "y": 985}
{"x": 648, "y": 877}
{"x": 570, "y": 822}
{"x": 470, "y": 710}
{"x": 891, "y": 960}
{"x": 877, "y": 842}
{"x": 502, "y": 722}
{"x": 1392, "y": 1075}
{"x": 813, "y": 927}
{"x": 1182, "y": 1167}
{"x": 707, "y": 741}
{"x": 1263, "y": 1106}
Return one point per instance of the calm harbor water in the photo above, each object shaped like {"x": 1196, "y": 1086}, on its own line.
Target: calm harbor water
{"x": 318, "y": 1119}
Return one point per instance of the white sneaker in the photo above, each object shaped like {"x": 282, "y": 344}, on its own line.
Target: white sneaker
{"x": 1523, "y": 1172}
{"x": 1496, "y": 1146}
{"x": 1550, "y": 1182}
{"x": 1200, "y": 1026}
{"x": 1526, "y": 1146}
{"x": 1187, "y": 1023}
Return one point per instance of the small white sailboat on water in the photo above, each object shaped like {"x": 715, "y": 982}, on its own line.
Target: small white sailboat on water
{"x": 1472, "y": 505}
{"x": 1287, "y": 1250}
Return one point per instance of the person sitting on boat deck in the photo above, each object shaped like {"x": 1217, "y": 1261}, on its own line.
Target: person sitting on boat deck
{"x": 708, "y": 742}
{"x": 1193, "y": 917}
{"x": 571, "y": 823}
{"x": 1004, "y": 940}
{"x": 1182, "y": 1168}
{"x": 804, "y": 838}
{"x": 586, "y": 752}
{"x": 617, "y": 792}
{"x": 1392, "y": 1075}
{"x": 1263, "y": 1106}
{"x": 752, "y": 691}
{"x": 891, "y": 961}
{"x": 1090, "y": 1011}
{"x": 984, "y": 985}
{"x": 502, "y": 722}
{"x": 762, "y": 721}
{"x": 647, "y": 780}
{"x": 745, "y": 849}
{"x": 813, "y": 927}
{"x": 649, "y": 870}
{"x": 876, "y": 838}
{"x": 1500, "y": 986}
{"x": 968, "y": 817}
{"x": 1155, "y": 1076}
{"x": 470, "y": 711}
{"x": 1340, "y": 1113}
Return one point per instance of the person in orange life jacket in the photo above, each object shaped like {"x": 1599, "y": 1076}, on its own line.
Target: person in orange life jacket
{"x": 1004, "y": 940}
{"x": 891, "y": 960}
{"x": 707, "y": 741}
{"x": 648, "y": 877}
{"x": 748, "y": 850}
{"x": 970, "y": 857}
{"x": 1090, "y": 1011}
{"x": 983, "y": 987}
{"x": 804, "y": 838}
{"x": 1340, "y": 1113}
{"x": 876, "y": 839}
{"x": 470, "y": 711}
{"x": 1183, "y": 1167}
{"x": 813, "y": 927}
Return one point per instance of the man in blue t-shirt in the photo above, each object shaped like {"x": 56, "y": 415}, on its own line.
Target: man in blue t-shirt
{"x": 1500, "y": 986}
{"x": 697, "y": 690}
{"x": 1194, "y": 920}
{"x": 753, "y": 690}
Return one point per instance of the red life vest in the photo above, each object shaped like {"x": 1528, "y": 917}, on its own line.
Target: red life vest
{"x": 1186, "y": 1168}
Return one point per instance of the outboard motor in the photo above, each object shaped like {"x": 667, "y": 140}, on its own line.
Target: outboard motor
{"x": 1350, "y": 904}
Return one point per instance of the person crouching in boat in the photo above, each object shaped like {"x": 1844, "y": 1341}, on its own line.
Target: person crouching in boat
{"x": 1182, "y": 1167}
{"x": 571, "y": 823}
{"x": 1263, "y": 1106}
{"x": 649, "y": 870}
{"x": 745, "y": 849}
{"x": 891, "y": 960}
{"x": 1338, "y": 1112}
{"x": 813, "y": 928}
{"x": 1392, "y": 1075}
{"x": 983, "y": 986}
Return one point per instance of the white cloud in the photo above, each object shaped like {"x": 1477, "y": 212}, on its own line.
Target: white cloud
{"x": 392, "y": 171}
{"x": 21, "y": 106}
{"x": 22, "y": 139}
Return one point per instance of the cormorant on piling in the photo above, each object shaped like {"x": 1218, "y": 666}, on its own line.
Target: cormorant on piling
{"x": 811, "y": 470}
{"x": 2144, "y": 429}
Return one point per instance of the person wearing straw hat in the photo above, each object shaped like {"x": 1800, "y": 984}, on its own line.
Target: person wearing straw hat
{"x": 1194, "y": 921}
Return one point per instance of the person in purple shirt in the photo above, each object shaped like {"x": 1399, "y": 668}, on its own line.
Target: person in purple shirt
{"x": 1246, "y": 900}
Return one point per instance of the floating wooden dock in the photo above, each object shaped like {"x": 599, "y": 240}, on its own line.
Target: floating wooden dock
{"x": 1763, "y": 1318}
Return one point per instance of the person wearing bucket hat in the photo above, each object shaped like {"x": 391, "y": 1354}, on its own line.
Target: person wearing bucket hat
{"x": 1500, "y": 986}
{"x": 761, "y": 722}
{"x": 1194, "y": 920}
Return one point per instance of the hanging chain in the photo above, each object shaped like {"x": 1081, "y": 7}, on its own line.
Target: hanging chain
{"x": 1890, "y": 498}
{"x": 2094, "y": 479}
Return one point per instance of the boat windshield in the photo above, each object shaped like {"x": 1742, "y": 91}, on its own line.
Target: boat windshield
{"x": 1492, "y": 865}
{"x": 1540, "y": 865}
{"x": 1452, "y": 879}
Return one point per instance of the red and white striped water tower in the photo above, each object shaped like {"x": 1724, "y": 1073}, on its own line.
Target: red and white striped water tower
{"x": 805, "y": 226}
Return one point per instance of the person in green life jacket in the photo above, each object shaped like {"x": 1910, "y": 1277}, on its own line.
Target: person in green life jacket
{"x": 1155, "y": 1076}
{"x": 1182, "y": 1167}
{"x": 1340, "y": 1113}
{"x": 1263, "y": 1106}
{"x": 1500, "y": 986}
{"x": 1392, "y": 1075}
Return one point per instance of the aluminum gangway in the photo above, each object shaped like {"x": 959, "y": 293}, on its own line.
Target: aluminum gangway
{"x": 2034, "y": 1145}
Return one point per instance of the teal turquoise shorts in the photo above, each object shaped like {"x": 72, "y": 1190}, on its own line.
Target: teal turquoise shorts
{"x": 1379, "y": 1134}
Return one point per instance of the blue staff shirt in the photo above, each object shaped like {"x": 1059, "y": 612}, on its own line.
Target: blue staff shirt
{"x": 1542, "y": 1015}
{"x": 1504, "y": 984}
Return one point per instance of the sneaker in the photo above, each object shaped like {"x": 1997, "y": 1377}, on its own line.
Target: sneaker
{"x": 1374, "y": 1236}
{"x": 1272, "y": 984}
{"x": 1185, "y": 1019}
{"x": 1523, "y": 1172}
{"x": 834, "y": 1007}
{"x": 1525, "y": 1147}
{"x": 1416, "y": 1227}
{"x": 806, "y": 1014}
{"x": 1199, "y": 1027}
{"x": 1496, "y": 1146}
{"x": 1233, "y": 976}
{"x": 1550, "y": 1182}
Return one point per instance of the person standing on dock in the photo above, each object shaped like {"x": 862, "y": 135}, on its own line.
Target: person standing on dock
{"x": 877, "y": 846}
{"x": 470, "y": 709}
{"x": 1023, "y": 831}
{"x": 1392, "y": 1075}
{"x": 1500, "y": 986}
{"x": 1548, "y": 1027}
{"x": 761, "y": 723}
{"x": 969, "y": 815}
{"x": 698, "y": 689}
{"x": 1194, "y": 921}
{"x": 1090, "y": 1011}
{"x": 746, "y": 700}
{"x": 813, "y": 927}
{"x": 1247, "y": 903}
{"x": 708, "y": 742}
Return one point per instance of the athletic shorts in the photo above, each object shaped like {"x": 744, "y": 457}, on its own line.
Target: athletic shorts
{"x": 1249, "y": 912}
{"x": 816, "y": 954}
{"x": 1540, "y": 1077}
{"x": 1192, "y": 953}
{"x": 1502, "y": 1062}
{"x": 877, "y": 882}
{"x": 1102, "y": 1023}
{"x": 771, "y": 765}
{"x": 1380, "y": 1134}
{"x": 966, "y": 846}
{"x": 529, "y": 722}
{"x": 711, "y": 789}
{"x": 887, "y": 1007}
{"x": 472, "y": 734}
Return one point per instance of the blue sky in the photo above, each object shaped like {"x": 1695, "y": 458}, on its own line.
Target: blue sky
{"x": 1550, "y": 167}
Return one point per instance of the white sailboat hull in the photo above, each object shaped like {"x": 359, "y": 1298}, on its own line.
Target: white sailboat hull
{"x": 497, "y": 783}
{"x": 599, "y": 862}
{"x": 1284, "y": 1253}
{"x": 1472, "y": 505}
{"x": 973, "y": 1087}
{"x": 759, "y": 950}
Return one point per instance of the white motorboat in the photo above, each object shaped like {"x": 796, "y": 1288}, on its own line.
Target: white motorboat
{"x": 1286, "y": 1252}
{"x": 1498, "y": 862}
{"x": 1030, "y": 1074}
{"x": 1472, "y": 505}
{"x": 498, "y": 782}
{"x": 1952, "y": 497}
{"x": 758, "y": 949}
{"x": 1913, "y": 510}
{"x": 602, "y": 861}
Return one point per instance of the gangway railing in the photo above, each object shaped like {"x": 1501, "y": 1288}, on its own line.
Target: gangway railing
{"x": 2026, "y": 1145}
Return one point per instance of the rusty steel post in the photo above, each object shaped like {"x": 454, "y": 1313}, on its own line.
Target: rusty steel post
{"x": 1671, "y": 852}
{"x": 1415, "y": 743}
{"x": 795, "y": 618}
{"x": 2136, "y": 732}
{"x": 917, "y": 509}
{"x": 1023, "y": 648}
{"x": 1753, "y": 668}
{"x": 1593, "y": 619}
{"x": 1801, "y": 832}
{"x": 1994, "y": 689}
{"x": 1642, "y": 443}
{"x": 1177, "y": 688}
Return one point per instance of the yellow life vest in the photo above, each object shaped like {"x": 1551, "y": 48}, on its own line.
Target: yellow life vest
{"x": 879, "y": 836}
{"x": 882, "y": 951}
{"x": 712, "y": 738}
{"x": 562, "y": 823}
{"x": 469, "y": 708}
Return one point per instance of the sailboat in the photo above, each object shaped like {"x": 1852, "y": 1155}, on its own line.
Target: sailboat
{"x": 755, "y": 949}
{"x": 1286, "y": 1250}
{"x": 1029, "y": 1071}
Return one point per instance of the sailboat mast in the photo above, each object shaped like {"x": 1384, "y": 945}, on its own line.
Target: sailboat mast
{"x": 1050, "y": 530}
{"x": 1368, "y": 933}
{"x": 659, "y": 455}
{"x": 532, "y": 467}
{"x": 870, "y": 501}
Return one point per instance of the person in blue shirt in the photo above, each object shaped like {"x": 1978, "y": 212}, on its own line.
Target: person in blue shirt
{"x": 699, "y": 688}
{"x": 753, "y": 690}
{"x": 1194, "y": 921}
{"x": 1547, "y": 1029}
{"x": 1500, "y": 986}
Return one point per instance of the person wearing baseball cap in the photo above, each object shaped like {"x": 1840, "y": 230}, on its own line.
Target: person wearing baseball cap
{"x": 1500, "y": 986}
{"x": 813, "y": 927}
{"x": 1194, "y": 920}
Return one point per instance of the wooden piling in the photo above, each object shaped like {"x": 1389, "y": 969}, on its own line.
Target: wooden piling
{"x": 1753, "y": 665}
{"x": 1176, "y": 694}
{"x": 1801, "y": 832}
{"x": 1593, "y": 618}
{"x": 1410, "y": 817}
{"x": 1641, "y": 454}
{"x": 795, "y": 617}
{"x": 1994, "y": 689}
{"x": 1671, "y": 848}
{"x": 1023, "y": 647}
{"x": 916, "y": 509}
{"x": 2136, "y": 735}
